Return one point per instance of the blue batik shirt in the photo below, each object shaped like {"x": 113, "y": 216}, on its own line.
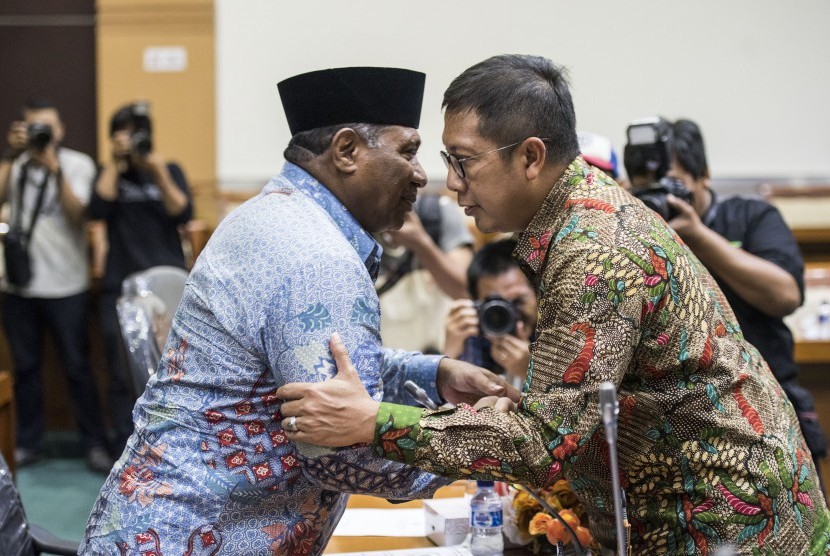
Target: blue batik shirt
{"x": 209, "y": 469}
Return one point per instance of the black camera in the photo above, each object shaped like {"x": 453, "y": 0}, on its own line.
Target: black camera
{"x": 497, "y": 316}
{"x": 142, "y": 143}
{"x": 648, "y": 150}
{"x": 39, "y": 135}
{"x": 654, "y": 196}
{"x": 141, "y": 138}
{"x": 648, "y": 154}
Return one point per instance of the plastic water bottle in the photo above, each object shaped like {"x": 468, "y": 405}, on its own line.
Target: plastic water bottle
{"x": 486, "y": 521}
{"x": 824, "y": 320}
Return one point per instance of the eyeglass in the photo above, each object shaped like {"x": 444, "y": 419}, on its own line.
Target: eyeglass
{"x": 452, "y": 161}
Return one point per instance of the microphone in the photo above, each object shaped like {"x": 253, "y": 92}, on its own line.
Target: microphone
{"x": 420, "y": 395}
{"x": 609, "y": 410}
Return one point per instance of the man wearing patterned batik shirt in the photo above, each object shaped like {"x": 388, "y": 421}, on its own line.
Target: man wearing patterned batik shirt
{"x": 710, "y": 452}
{"x": 209, "y": 468}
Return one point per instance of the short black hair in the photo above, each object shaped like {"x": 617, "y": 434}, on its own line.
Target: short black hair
{"x": 516, "y": 97}
{"x": 135, "y": 114}
{"x": 492, "y": 259}
{"x": 38, "y": 103}
{"x": 688, "y": 148}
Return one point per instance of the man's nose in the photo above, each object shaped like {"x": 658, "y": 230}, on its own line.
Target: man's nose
{"x": 455, "y": 183}
{"x": 420, "y": 176}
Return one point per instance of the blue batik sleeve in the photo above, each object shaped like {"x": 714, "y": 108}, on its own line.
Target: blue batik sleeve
{"x": 321, "y": 296}
{"x": 398, "y": 366}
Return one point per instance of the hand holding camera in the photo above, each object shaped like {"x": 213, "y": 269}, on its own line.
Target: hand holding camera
{"x": 656, "y": 197}
{"x": 461, "y": 323}
{"x": 36, "y": 137}
{"x": 647, "y": 157}
{"x": 512, "y": 351}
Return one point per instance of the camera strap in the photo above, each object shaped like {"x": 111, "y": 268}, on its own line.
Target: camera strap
{"x": 24, "y": 175}
{"x": 712, "y": 213}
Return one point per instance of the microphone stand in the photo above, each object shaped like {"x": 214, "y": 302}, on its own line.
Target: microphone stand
{"x": 609, "y": 411}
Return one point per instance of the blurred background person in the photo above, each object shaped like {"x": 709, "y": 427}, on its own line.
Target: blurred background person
{"x": 47, "y": 278}
{"x": 495, "y": 330}
{"x": 598, "y": 151}
{"x": 143, "y": 200}
{"x": 423, "y": 269}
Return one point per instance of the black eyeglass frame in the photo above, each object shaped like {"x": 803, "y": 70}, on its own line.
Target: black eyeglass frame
{"x": 452, "y": 161}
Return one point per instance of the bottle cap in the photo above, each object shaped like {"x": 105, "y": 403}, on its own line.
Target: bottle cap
{"x": 485, "y": 483}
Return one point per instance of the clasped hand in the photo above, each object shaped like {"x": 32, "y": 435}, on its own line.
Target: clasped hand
{"x": 340, "y": 412}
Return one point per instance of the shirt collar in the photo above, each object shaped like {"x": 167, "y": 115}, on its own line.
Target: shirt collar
{"x": 294, "y": 177}
{"x": 535, "y": 241}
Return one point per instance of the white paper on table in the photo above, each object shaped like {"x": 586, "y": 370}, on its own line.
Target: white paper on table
{"x": 432, "y": 551}
{"x": 372, "y": 522}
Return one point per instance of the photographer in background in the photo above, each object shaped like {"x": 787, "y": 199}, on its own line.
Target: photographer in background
{"x": 494, "y": 332}
{"x": 749, "y": 249}
{"x": 143, "y": 200}
{"x": 47, "y": 282}
{"x": 421, "y": 272}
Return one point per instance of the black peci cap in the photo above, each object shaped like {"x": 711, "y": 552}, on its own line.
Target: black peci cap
{"x": 386, "y": 96}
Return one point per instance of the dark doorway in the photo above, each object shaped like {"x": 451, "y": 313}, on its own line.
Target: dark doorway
{"x": 48, "y": 50}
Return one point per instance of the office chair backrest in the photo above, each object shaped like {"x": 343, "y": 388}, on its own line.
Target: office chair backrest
{"x": 14, "y": 531}
{"x": 148, "y": 301}
{"x": 18, "y": 537}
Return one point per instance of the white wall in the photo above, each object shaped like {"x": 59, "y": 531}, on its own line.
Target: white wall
{"x": 755, "y": 74}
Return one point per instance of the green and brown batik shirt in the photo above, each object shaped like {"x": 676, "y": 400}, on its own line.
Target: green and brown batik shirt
{"x": 710, "y": 451}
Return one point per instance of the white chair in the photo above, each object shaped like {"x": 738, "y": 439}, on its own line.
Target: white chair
{"x": 148, "y": 301}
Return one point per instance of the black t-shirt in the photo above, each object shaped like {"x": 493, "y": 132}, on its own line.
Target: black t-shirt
{"x": 758, "y": 228}
{"x": 141, "y": 234}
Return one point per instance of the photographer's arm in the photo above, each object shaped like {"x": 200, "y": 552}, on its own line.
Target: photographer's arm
{"x": 72, "y": 206}
{"x": 5, "y": 176}
{"x": 461, "y": 323}
{"x": 16, "y": 145}
{"x": 761, "y": 283}
{"x": 448, "y": 269}
{"x": 174, "y": 200}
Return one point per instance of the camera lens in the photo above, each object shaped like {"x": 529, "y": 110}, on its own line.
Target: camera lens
{"x": 39, "y": 135}
{"x": 654, "y": 196}
{"x": 142, "y": 143}
{"x": 656, "y": 201}
{"x": 497, "y": 317}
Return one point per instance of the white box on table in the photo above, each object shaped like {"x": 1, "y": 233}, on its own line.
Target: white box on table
{"x": 447, "y": 520}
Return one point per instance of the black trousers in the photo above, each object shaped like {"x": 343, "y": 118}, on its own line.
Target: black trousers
{"x": 26, "y": 320}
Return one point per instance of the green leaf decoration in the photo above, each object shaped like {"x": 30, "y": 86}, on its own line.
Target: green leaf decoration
{"x": 589, "y": 297}
{"x": 647, "y": 267}
{"x": 783, "y": 469}
{"x": 387, "y": 425}
{"x": 746, "y": 519}
{"x": 736, "y": 490}
{"x": 406, "y": 443}
{"x": 707, "y": 517}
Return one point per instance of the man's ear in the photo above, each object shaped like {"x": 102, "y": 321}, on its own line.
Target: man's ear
{"x": 533, "y": 152}
{"x": 344, "y": 149}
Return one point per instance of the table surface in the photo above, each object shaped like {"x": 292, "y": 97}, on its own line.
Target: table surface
{"x": 360, "y": 544}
